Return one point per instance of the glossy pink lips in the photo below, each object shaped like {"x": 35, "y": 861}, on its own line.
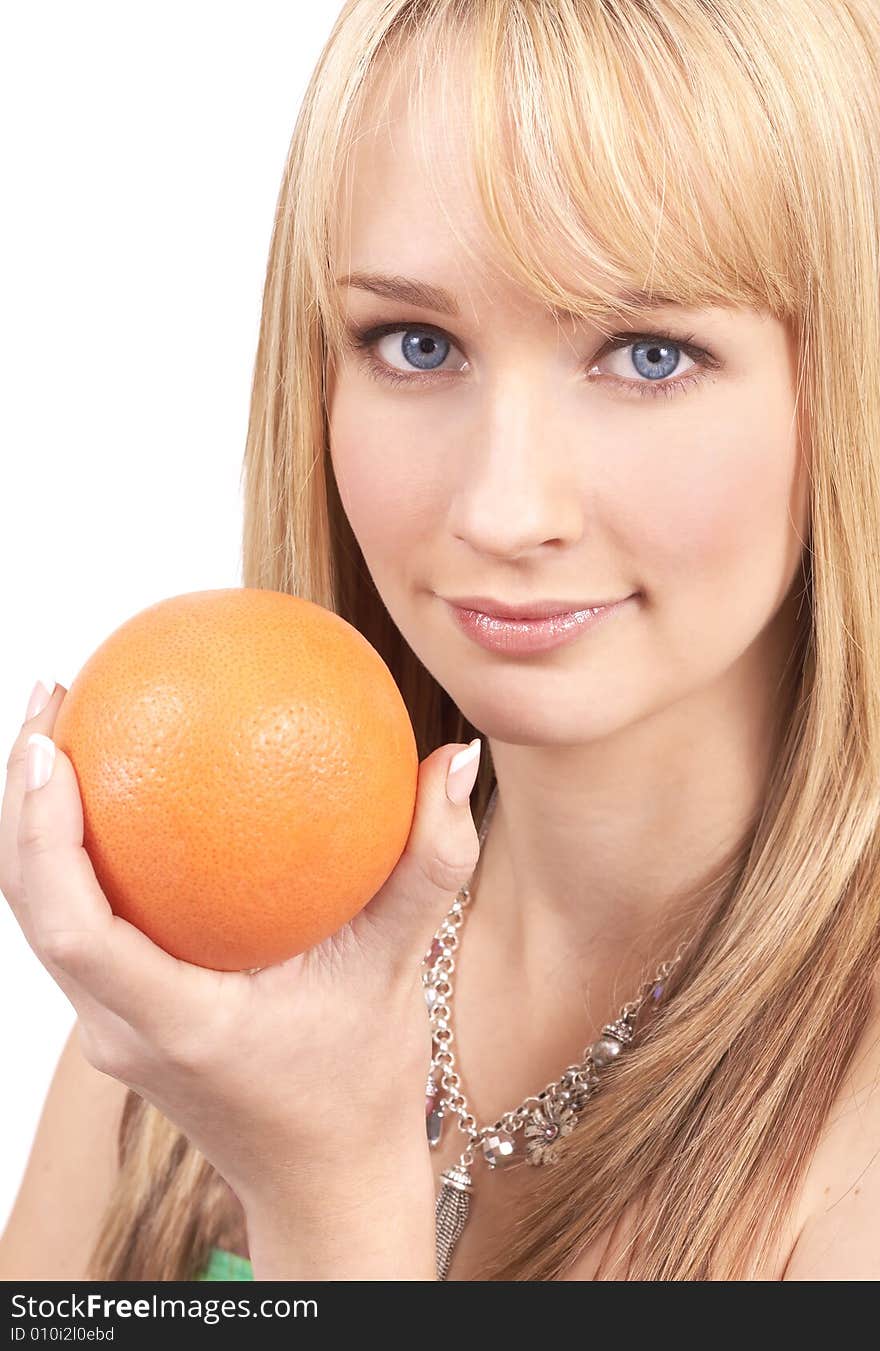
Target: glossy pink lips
{"x": 530, "y": 635}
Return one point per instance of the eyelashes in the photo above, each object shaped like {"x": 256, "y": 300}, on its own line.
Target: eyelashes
{"x": 362, "y": 341}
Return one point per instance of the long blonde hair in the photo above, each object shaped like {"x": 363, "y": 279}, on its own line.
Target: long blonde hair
{"x": 718, "y": 152}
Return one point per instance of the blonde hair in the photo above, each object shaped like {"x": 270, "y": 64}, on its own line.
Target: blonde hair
{"x": 717, "y": 152}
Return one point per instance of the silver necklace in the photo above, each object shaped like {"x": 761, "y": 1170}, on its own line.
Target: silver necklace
{"x": 545, "y": 1117}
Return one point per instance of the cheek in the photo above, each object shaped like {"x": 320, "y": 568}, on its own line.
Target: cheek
{"x": 719, "y": 520}
{"x": 719, "y": 533}
{"x": 384, "y": 482}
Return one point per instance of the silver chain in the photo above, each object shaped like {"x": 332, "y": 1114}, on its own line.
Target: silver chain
{"x": 548, "y": 1115}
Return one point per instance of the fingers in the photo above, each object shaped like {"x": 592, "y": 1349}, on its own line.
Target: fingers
{"x": 95, "y": 956}
{"x": 441, "y": 854}
{"x": 13, "y": 793}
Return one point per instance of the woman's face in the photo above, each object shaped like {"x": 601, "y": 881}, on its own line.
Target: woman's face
{"x": 474, "y": 454}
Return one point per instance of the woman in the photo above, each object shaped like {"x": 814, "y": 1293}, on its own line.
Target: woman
{"x": 574, "y": 303}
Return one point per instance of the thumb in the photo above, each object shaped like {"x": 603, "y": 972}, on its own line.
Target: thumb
{"x": 440, "y": 856}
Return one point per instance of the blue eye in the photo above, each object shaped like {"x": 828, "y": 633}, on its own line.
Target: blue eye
{"x": 426, "y": 351}
{"x": 419, "y": 348}
{"x": 659, "y": 358}
{"x": 422, "y": 350}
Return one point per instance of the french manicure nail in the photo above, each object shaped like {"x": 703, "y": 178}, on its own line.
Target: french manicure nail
{"x": 462, "y": 773}
{"x": 39, "y": 761}
{"x": 40, "y": 696}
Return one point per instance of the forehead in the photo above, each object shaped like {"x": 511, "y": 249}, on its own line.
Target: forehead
{"x": 408, "y": 204}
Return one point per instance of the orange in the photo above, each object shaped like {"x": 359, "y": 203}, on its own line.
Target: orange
{"x": 248, "y": 773}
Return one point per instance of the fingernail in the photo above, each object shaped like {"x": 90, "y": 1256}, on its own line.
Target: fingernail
{"x": 462, "y": 773}
{"x": 40, "y": 696}
{"x": 39, "y": 761}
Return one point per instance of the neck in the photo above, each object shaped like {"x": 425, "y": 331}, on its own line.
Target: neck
{"x": 599, "y": 853}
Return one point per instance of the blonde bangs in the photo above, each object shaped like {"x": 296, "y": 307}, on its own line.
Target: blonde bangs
{"x": 609, "y": 170}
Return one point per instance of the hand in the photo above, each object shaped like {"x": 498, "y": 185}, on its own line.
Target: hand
{"x": 306, "y": 1072}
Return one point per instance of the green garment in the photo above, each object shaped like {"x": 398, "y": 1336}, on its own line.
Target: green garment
{"x": 226, "y": 1266}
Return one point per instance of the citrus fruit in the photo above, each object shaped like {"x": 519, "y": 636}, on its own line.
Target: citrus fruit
{"x": 248, "y": 773}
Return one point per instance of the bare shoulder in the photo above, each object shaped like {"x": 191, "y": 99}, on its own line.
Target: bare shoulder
{"x": 839, "y": 1224}
{"x": 69, "y": 1175}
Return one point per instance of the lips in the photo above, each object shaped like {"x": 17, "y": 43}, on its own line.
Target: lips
{"x": 531, "y": 635}
{"x": 539, "y": 609}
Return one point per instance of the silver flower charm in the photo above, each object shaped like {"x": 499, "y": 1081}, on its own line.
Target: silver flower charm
{"x": 544, "y": 1129}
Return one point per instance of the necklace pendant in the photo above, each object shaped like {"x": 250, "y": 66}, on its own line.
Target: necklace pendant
{"x": 615, "y": 1036}
{"x": 434, "y": 1113}
{"x": 451, "y": 1211}
{"x": 544, "y": 1129}
{"x": 582, "y": 1090}
{"x": 434, "y": 1126}
{"x": 498, "y": 1149}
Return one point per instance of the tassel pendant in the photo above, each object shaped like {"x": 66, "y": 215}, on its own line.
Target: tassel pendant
{"x": 451, "y": 1214}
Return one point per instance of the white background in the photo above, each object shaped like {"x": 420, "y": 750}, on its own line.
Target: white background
{"x": 142, "y": 151}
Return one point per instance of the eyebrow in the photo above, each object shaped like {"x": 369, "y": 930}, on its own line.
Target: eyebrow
{"x": 411, "y": 292}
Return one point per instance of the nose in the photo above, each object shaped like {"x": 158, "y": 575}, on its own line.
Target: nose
{"x": 516, "y": 483}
